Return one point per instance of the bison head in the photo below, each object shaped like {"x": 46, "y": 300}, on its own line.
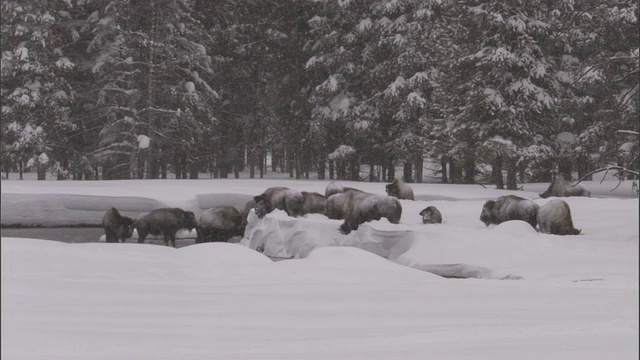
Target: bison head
{"x": 189, "y": 220}
{"x": 127, "y": 227}
{"x": 487, "y": 216}
{"x": 263, "y": 205}
{"x": 426, "y": 214}
{"x": 392, "y": 189}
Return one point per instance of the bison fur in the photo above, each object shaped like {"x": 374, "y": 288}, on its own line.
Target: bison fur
{"x": 165, "y": 221}
{"x": 554, "y": 217}
{"x": 431, "y": 215}
{"x": 335, "y": 188}
{"x": 561, "y": 188}
{"x": 509, "y": 207}
{"x": 400, "y": 189}
{"x": 116, "y": 227}
{"x": 279, "y": 198}
{"x": 219, "y": 224}
{"x": 364, "y": 207}
{"x": 313, "y": 203}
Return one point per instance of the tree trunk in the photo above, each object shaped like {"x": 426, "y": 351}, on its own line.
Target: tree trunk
{"x": 443, "y": 165}
{"x": 455, "y": 172}
{"x": 21, "y": 166}
{"x": 470, "y": 170}
{"x": 391, "y": 170}
{"x": 496, "y": 173}
{"x": 512, "y": 172}
{"x": 331, "y": 170}
{"x": 565, "y": 168}
{"x": 42, "y": 173}
{"x": 407, "y": 172}
{"x": 419, "y": 169}
{"x": 372, "y": 171}
{"x": 321, "y": 169}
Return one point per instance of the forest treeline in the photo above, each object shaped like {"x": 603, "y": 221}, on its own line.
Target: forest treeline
{"x": 119, "y": 89}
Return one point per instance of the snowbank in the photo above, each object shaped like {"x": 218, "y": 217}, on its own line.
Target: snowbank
{"x": 225, "y": 301}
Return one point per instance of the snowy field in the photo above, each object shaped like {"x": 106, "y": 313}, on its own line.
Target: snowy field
{"x": 370, "y": 294}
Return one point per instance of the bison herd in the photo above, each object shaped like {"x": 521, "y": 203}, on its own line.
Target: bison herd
{"x": 351, "y": 205}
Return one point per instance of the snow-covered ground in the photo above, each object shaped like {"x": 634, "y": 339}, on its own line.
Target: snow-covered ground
{"x": 576, "y": 297}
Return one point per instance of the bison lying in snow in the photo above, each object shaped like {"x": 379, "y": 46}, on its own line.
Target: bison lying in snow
{"x": 116, "y": 227}
{"x": 399, "y": 189}
{"x": 554, "y": 217}
{"x": 431, "y": 215}
{"x": 219, "y": 224}
{"x": 507, "y": 208}
{"x": 279, "y": 198}
{"x": 335, "y": 188}
{"x": 363, "y": 207}
{"x": 313, "y": 203}
{"x": 165, "y": 221}
{"x": 561, "y": 188}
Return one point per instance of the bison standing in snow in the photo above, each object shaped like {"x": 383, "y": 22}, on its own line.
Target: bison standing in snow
{"x": 335, "y": 188}
{"x": 335, "y": 207}
{"x": 400, "y": 189}
{"x": 507, "y": 208}
{"x": 561, "y": 188}
{"x": 279, "y": 198}
{"x": 313, "y": 203}
{"x": 165, "y": 221}
{"x": 363, "y": 207}
{"x": 251, "y": 204}
{"x": 116, "y": 227}
{"x": 219, "y": 224}
{"x": 554, "y": 217}
{"x": 431, "y": 215}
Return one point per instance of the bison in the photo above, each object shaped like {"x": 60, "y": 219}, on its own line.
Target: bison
{"x": 363, "y": 207}
{"x": 507, "y": 208}
{"x": 251, "y": 204}
{"x": 116, "y": 227}
{"x": 335, "y": 188}
{"x": 219, "y": 224}
{"x": 431, "y": 215}
{"x": 554, "y": 217}
{"x": 165, "y": 221}
{"x": 279, "y": 198}
{"x": 561, "y": 188}
{"x": 400, "y": 189}
{"x": 313, "y": 203}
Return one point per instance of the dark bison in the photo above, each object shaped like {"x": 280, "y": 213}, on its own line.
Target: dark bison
{"x": 219, "y": 224}
{"x": 507, "y": 208}
{"x": 554, "y": 217}
{"x": 313, "y": 203}
{"x": 363, "y": 207}
{"x": 431, "y": 215}
{"x": 335, "y": 188}
{"x": 399, "y": 189}
{"x": 165, "y": 221}
{"x": 279, "y": 198}
{"x": 561, "y": 188}
{"x": 335, "y": 207}
{"x": 116, "y": 227}
{"x": 251, "y": 204}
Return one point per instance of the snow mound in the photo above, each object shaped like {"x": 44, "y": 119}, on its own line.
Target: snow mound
{"x": 514, "y": 227}
{"x": 222, "y": 253}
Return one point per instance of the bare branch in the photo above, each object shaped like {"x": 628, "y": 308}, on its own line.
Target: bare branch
{"x": 619, "y": 168}
{"x": 631, "y": 132}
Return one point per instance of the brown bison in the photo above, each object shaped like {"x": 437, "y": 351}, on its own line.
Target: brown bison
{"x": 335, "y": 207}
{"x": 431, "y": 215}
{"x": 335, "y": 188}
{"x": 400, "y": 189}
{"x": 219, "y": 224}
{"x": 561, "y": 188}
{"x": 251, "y": 204}
{"x": 363, "y": 207}
{"x": 554, "y": 217}
{"x": 313, "y": 203}
{"x": 507, "y": 208}
{"x": 116, "y": 227}
{"x": 165, "y": 221}
{"x": 279, "y": 198}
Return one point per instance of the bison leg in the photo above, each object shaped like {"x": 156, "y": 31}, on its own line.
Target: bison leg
{"x": 142, "y": 235}
{"x": 110, "y": 236}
